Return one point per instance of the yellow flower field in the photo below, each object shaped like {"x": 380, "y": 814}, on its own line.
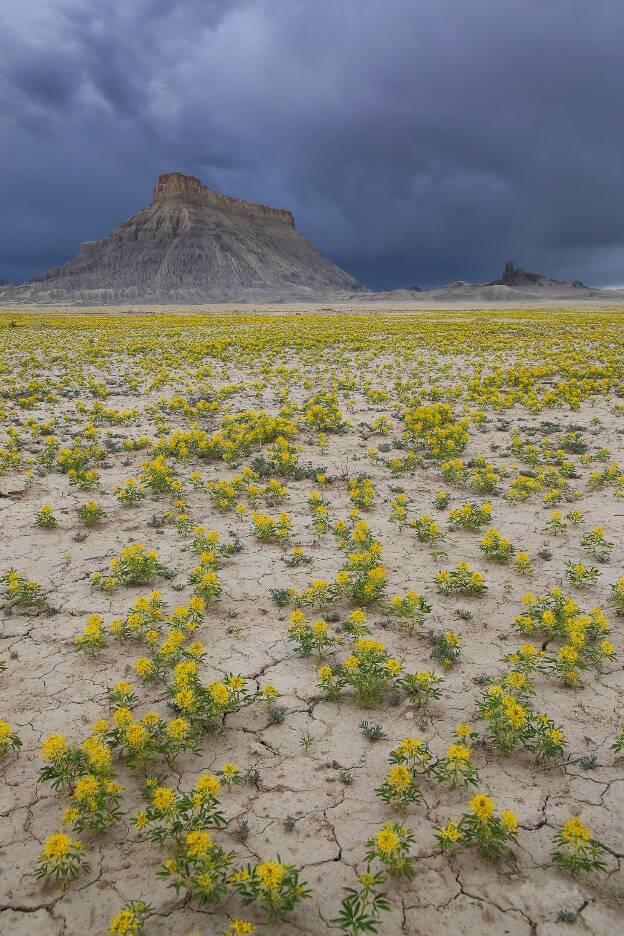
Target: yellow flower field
{"x": 312, "y": 623}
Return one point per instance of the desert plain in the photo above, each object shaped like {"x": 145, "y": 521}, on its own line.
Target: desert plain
{"x": 316, "y": 445}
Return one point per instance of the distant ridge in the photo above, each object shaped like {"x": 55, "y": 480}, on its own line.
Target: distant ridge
{"x": 514, "y": 276}
{"x": 515, "y": 287}
{"x": 194, "y": 245}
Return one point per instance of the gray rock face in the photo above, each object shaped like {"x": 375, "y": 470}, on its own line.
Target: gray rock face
{"x": 192, "y": 244}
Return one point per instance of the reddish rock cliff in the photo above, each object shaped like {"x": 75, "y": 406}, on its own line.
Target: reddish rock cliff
{"x": 185, "y": 186}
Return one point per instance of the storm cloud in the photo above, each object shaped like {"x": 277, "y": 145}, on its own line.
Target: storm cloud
{"x": 415, "y": 141}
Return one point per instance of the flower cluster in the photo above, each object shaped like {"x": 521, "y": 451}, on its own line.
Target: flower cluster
{"x": 481, "y": 828}
{"x": 462, "y": 580}
{"x": 136, "y": 565}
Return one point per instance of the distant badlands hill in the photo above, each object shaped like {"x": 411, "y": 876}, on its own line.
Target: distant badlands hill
{"x": 515, "y": 287}
{"x": 469, "y": 295}
{"x": 194, "y": 246}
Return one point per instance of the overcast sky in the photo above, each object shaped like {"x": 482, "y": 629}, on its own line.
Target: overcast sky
{"x": 416, "y": 141}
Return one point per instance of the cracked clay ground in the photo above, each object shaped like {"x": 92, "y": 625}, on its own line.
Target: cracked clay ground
{"x": 49, "y": 688}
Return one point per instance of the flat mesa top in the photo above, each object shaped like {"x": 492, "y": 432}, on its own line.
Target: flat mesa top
{"x": 186, "y": 186}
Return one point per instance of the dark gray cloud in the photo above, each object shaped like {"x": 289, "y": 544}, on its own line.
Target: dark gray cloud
{"x": 415, "y": 141}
